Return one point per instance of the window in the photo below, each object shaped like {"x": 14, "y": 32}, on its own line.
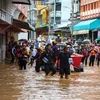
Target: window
{"x": 92, "y": 6}
{"x": 58, "y": 7}
{"x": 58, "y": 20}
{"x": 83, "y": 8}
{"x": 3, "y": 4}
{"x": 88, "y": 6}
{"x": 95, "y": 5}
{"x": 43, "y": 2}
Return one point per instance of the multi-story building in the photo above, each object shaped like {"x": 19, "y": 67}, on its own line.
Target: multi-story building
{"x": 90, "y": 19}
{"x": 32, "y": 19}
{"x": 61, "y": 10}
{"x": 12, "y": 20}
{"x": 90, "y": 9}
{"x": 64, "y": 13}
{"x": 42, "y": 17}
{"x": 76, "y": 10}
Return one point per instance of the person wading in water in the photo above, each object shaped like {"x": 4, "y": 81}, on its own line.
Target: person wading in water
{"x": 64, "y": 63}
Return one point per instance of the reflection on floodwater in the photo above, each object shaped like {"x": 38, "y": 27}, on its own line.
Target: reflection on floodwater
{"x": 29, "y": 85}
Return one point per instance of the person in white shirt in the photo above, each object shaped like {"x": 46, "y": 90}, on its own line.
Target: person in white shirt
{"x": 33, "y": 53}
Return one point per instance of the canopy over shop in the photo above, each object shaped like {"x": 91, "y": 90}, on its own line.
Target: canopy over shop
{"x": 21, "y": 2}
{"x": 84, "y": 27}
{"x": 43, "y": 29}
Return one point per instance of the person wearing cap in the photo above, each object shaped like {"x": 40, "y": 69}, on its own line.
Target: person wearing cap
{"x": 58, "y": 39}
{"x": 64, "y": 62}
{"x": 49, "y": 59}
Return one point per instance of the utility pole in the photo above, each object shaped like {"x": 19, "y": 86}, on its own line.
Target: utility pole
{"x": 72, "y": 17}
{"x": 54, "y": 12}
{"x": 49, "y": 20}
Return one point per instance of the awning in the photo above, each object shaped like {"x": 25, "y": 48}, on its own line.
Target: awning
{"x": 28, "y": 2}
{"x": 23, "y": 25}
{"x": 7, "y": 27}
{"x": 42, "y": 27}
{"x": 64, "y": 25}
{"x": 97, "y": 29}
{"x": 87, "y": 25}
{"x": 80, "y": 32}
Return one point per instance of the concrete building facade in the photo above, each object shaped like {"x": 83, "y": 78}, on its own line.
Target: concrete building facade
{"x": 61, "y": 10}
{"x": 90, "y": 20}
{"x": 90, "y": 9}
{"x": 10, "y": 15}
{"x": 42, "y": 17}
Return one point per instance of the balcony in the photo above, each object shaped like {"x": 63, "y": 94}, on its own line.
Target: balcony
{"x": 76, "y": 14}
{"x": 57, "y": 14}
{"x": 5, "y": 17}
{"x": 57, "y": 1}
{"x": 88, "y": 2}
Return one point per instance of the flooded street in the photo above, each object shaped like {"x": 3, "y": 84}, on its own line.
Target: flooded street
{"x": 29, "y": 85}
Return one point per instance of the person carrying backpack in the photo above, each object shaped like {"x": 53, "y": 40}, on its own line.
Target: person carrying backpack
{"x": 22, "y": 58}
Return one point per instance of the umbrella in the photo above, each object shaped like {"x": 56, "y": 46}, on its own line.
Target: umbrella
{"x": 97, "y": 39}
{"x": 86, "y": 40}
{"x": 24, "y": 40}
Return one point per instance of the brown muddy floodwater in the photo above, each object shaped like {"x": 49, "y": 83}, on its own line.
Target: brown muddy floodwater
{"x": 29, "y": 85}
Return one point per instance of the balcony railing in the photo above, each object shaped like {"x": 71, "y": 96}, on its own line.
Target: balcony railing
{"x": 57, "y": 14}
{"x": 5, "y": 16}
{"x": 76, "y": 14}
{"x": 57, "y": 1}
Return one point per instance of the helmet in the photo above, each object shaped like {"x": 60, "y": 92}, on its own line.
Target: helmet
{"x": 59, "y": 35}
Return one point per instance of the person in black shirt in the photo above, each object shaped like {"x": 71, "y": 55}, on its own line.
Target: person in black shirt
{"x": 39, "y": 61}
{"x": 64, "y": 62}
{"x": 49, "y": 59}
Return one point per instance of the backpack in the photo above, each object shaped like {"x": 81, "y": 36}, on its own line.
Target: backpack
{"x": 18, "y": 53}
{"x": 86, "y": 53}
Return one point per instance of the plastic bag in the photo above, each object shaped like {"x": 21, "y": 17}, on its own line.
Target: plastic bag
{"x": 70, "y": 60}
{"x": 71, "y": 67}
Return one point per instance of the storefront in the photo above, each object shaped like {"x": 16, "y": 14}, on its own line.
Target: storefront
{"x": 86, "y": 28}
{"x": 42, "y": 30}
